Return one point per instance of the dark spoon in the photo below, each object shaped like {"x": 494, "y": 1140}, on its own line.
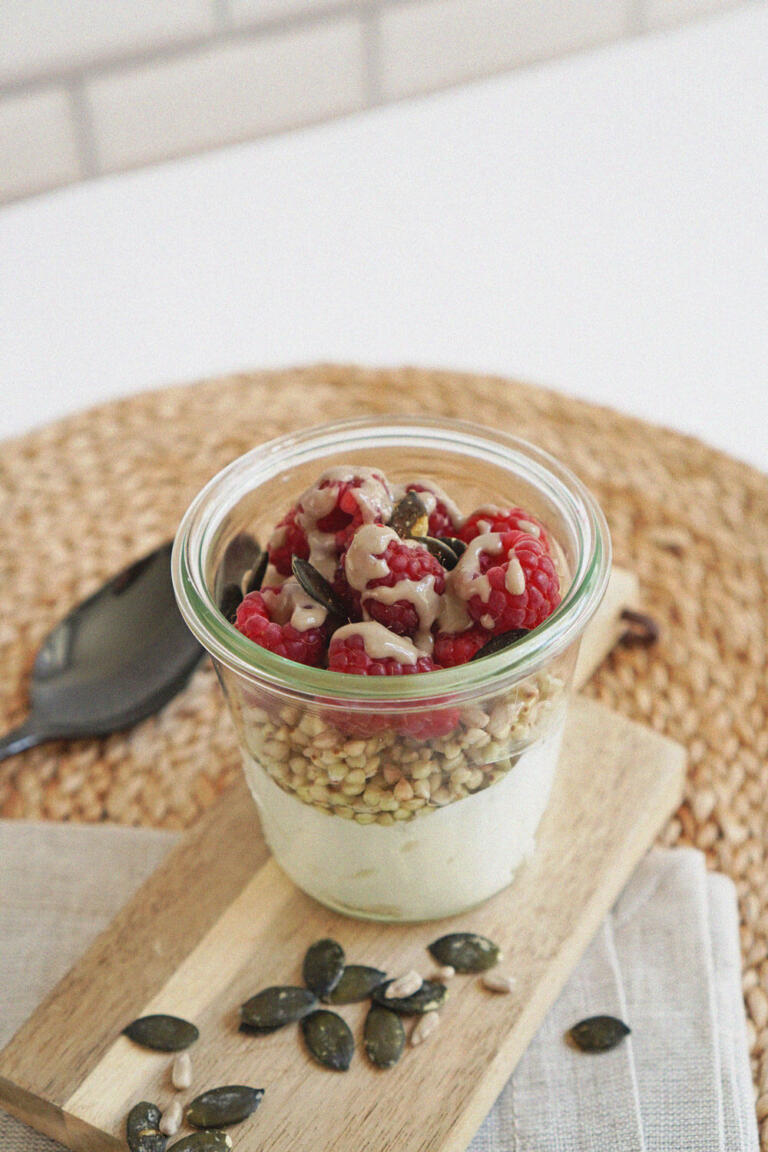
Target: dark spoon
{"x": 115, "y": 659}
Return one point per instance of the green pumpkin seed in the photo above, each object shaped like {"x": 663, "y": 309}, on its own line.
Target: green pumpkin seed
{"x": 142, "y": 1128}
{"x": 410, "y": 517}
{"x": 256, "y": 577}
{"x": 274, "y": 1007}
{"x": 598, "y": 1033}
{"x": 500, "y": 642}
{"x": 465, "y": 952}
{"x": 453, "y": 542}
{"x": 163, "y": 1033}
{"x": 439, "y": 549}
{"x": 211, "y": 1141}
{"x": 323, "y": 966}
{"x": 429, "y": 998}
{"x": 356, "y": 984}
{"x": 384, "y": 1037}
{"x": 219, "y": 1107}
{"x": 240, "y": 554}
{"x": 230, "y": 601}
{"x": 328, "y": 1039}
{"x": 316, "y": 586}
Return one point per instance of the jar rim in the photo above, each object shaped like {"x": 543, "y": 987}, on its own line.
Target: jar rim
{"x": 206, "y": 515}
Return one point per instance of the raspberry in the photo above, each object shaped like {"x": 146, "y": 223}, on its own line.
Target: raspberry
{"x": 361, "y": 498}
{"x": 259, "y": 618}
{"x": 452, "y": 648}
{"x": 287, "y": 540}
{"x": 491, "y": 519}
{"x": 407, "y": 563}
{"x": 441, "y": 522}
{"x": 347, "y": 654}
{"x": 522, "y": 562}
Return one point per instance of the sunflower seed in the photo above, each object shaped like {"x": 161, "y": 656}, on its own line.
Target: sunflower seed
{"x": 446, "y": 972}
{"x": 181, "y": 1071}
{"x": 498, "y": 982}
{"x": 424, "y": 1027}
{"x": 429, "y": 998}
{"x": 500, "y": 642}
{"x": 439, "y": 549}
{"x": 203, "y": 1142}
{"x": 274, "y": 1007}
{"x": 456, "y": 545}
{"x": 383, "y": 1036}
{"x": 163, "y": 1033}
{"x": 410, "y": 517}
{"x": 142, "y": 1128}
{"x": 323, "y": 966}
{"x": 329, "y": 1039}
{"x": 598, "y": 1033}
{"x": 316, "y": 586}
{"x": 219, "y": 1107}
{"x": 255, "y": 577}
{"x": 356, "y": 984}
{"x": 403, "y": 986}
{"x": 171, "y": 1119}
{"x": 465, "y": 952}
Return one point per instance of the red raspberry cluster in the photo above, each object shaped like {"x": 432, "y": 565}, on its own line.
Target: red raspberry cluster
{"x": 408, "y": 613}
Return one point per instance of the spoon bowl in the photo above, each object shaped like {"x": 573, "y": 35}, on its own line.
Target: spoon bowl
{"x": 115, "y": 659}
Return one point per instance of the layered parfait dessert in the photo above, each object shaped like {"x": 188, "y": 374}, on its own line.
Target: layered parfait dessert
{"x": 382, "y": 809}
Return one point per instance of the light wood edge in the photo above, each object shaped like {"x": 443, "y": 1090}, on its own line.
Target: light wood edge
{"x": 671, "y": 781}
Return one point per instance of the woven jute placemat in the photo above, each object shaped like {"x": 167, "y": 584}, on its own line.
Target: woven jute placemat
{"x": 83, "y": 497}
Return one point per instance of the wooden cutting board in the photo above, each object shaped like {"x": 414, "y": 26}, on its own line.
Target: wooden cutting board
{"x": 219, "y": 920}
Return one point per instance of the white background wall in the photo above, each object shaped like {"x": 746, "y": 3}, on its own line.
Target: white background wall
{"x": 95, "y": 86}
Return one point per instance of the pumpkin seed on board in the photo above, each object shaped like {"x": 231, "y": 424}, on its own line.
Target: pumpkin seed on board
{"x": 142, "y": 1128}
{"x": 220, "y": 1107}
{"x": 316, "y": 586}
{"x": 328, "y": 1039}
{"x": 500, "y": 642}
{"x": 162, "y": 1033}
{"x": 356, "y": 984}
{"x": 429, "y": 998}
{"x": 465, "y": 952}
{"x": 598, "y": 1033}
{"x": 255, "y": 577}
{"x": 439, "y": 549}
{"x": 323, "y": 966}
{"x": 274, "y": 1007}
{"x": 383, "y": 1036}
{"x": 211, "y": 1141}
{"x": 410, "y": 517}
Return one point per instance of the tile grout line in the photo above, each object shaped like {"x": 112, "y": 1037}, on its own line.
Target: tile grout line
{"x": 226, "y": 33}
{"x": 84, "y": 131}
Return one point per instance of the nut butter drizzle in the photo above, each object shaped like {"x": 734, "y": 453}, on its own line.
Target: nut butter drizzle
{"x": 365, "y": 562}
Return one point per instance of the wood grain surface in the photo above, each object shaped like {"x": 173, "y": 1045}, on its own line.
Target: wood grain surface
{"x": 219, "y": 920}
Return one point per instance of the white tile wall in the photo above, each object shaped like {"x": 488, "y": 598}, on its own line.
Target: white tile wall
{"x": 254, "y": 11}
{"x": 38, "y": 37}
{"x": 426, "y": 44}
{"x": 663, "y": 13}
{"x": 38, "y": 147}
{"x": 228, "y": 92}
{"x": 88, "y": 86}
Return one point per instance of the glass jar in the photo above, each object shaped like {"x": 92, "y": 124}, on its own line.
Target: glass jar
{"x": 413, "y": 797}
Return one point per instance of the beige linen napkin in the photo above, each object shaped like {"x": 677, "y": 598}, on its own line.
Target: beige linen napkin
{"x": 666, "y": 960}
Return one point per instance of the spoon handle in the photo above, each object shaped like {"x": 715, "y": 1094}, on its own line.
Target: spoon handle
{"x": 27, "y": 735}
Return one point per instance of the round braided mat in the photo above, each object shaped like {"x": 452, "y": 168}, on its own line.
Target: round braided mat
{"x": 87, "y": 495}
